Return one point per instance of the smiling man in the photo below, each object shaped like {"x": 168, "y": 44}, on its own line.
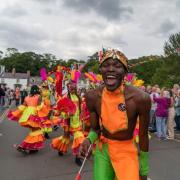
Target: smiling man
{"x": 114, "y": 110}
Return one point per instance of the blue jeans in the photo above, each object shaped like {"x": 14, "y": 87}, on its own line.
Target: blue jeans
{"x": 161, "y": 126}
{"x": 152, "y": 119}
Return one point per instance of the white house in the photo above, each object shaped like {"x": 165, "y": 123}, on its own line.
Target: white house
{"x": 13, "y": 79}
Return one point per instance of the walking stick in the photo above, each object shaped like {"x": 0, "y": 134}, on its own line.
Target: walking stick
{"x": 78, "y": 176}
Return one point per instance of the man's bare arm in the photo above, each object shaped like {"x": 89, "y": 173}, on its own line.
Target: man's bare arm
{"x": 144, "y": 116}
{"x": 94, "y": 119}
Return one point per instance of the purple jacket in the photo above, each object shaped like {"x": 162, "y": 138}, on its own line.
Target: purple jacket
{"x": 163, "y": 104}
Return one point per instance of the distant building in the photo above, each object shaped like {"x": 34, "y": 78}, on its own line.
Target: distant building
{"x": 13, "y": 79}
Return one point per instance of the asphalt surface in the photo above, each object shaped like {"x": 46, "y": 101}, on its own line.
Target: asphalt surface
{"x": 47, "y": 165}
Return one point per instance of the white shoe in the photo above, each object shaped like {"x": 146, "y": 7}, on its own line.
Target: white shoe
{"x": 169, "y": 137}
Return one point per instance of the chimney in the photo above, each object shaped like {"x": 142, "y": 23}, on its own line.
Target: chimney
{"x": 28, "y": 74}
{"x": 13, "y": 71}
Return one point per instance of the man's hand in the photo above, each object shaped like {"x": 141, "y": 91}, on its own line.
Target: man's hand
{"x": 143, "y": 177}
{"x": 84, "y": 148}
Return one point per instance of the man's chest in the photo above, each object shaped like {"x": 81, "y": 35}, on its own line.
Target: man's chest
{"x": 129, "y": 106}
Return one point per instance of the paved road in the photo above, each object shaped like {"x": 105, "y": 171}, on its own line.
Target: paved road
{"x": 47, "y": 165}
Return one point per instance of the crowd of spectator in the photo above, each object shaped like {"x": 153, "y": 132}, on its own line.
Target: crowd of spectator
{"x": 164, "y": 114}
{"x": 165, "y": 111}
{"x": 9, "y": 96}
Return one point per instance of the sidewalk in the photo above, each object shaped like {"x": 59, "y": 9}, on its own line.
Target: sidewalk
{"x": 177, "y": 135}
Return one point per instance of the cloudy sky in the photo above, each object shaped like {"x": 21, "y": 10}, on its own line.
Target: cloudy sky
{"x": 78, "y": 28}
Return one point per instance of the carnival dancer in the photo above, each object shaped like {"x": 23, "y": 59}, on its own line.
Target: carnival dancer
{"x": 114, "y": 110}
{"x": 85, "y": 117}
{"x": 44, "y": 110}
{"x": 26, "y": 115}
{"x": 72, "y": 126}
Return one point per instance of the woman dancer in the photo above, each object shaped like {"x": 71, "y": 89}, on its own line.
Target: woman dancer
{"x": 26, "y": 115}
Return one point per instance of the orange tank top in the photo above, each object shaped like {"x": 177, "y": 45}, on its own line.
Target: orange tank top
{"x": 113, "y": 110}
{"x": 32, "y": 100}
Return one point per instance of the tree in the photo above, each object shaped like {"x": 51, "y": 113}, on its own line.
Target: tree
{"x": 11, "y": 51}
{"x": 145, "y": 67}
{"x": 167, "y": 74}
{"x": 171, "y": 46}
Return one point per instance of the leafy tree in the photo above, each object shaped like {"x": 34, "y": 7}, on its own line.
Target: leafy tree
{"x": 145, "y": 67}
{"x": 171, "y": 46}
{"x": 1, "y": 54}
{"x": 11, "y": 51}
{"x": 167, "y": 74}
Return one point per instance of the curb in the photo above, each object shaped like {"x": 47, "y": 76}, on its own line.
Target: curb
{"x": 177, "y": 136}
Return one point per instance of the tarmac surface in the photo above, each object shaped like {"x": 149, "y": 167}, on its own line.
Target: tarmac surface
{"x": 47, "y": 165}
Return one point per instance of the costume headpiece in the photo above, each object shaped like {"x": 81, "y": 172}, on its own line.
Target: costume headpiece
{"x": 72, "y": 83}
{"x": 115, "y": 54}
{"x": 44, "y": 84}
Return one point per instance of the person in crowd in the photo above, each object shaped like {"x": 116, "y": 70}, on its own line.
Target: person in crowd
{"x": 11, "y": 97}
{"x": 17, "y": 95}
{"x": 163, "y": 103}
{"x": 152, "y": 125}
{"x": 2, "y": 94}
{"x": 171, "y": 115}
{"x": 177, "y": 109}
{"x": 23, "y": 93}
{"x": 7, "y": 93}
{"x": 148, "y": 89}
{"x": 175, "y": 88}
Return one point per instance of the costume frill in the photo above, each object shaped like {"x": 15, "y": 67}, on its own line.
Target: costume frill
{"x": 43, "y": 112}
{"x": 71, "y": 123}
{"x": 27, "y": 117}
{"x": 85, "y": 118}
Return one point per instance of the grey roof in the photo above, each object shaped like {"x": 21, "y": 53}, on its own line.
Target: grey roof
{"x": 16, "y": 76}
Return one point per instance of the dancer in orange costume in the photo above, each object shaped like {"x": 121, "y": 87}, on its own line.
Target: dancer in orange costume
{"x": 72, "y": 126}
{"x": 44, "y": 110}
{"x": 114, "y": 109}
{"x": 26, "y": 115}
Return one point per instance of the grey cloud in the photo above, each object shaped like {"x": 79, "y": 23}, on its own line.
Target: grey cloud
{"x": 15, "y": 35}
{"x": 15, "y": 10}
{"x": 166, "y": 27}
{"x": 118, "y": 41}
{"x": 77, "y": 39}
{"x": 110, "y": 9}
{"x": 178, "y": 4}
{"x": 45, "y": 1}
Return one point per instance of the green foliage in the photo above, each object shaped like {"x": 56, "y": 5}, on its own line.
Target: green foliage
{"x": 145, "y": 67}
{"x": 171, "y": 46}
{"x": 167, "y": 74}
{"x": 92, "y": 65}
{"x": 33, "y": 62}
{"x": 153, "y": 69}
